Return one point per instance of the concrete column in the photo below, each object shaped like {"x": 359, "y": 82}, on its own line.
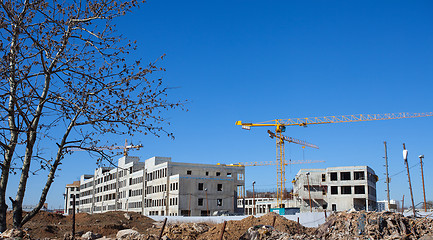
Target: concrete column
{"x": 366, "y": 204}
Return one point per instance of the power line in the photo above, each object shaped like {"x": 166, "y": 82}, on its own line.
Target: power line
{"x": 404, "y": 170}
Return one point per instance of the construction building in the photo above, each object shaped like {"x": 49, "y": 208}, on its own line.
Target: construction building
{"x": 262, "y": 206}
{"x": 159, "y": 186}
{"x": 336, "y": 189}
{"x": 384, "y": 205}
{"x": 72, "y": 190}
{"x": 331, "y": 189}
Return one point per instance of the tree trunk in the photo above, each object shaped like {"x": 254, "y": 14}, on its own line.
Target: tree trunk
{"x": 18, "y": 214}
{"x": 3, "y": 212}
{"x": 10, "y": 149}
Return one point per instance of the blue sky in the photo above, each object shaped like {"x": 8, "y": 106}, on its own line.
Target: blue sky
{"x": 260, "y": 60}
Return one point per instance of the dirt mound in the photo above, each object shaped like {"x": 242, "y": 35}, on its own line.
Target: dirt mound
{"x": 355, "y": 225}
{"x": 373, "y": 225}
{"x": 51, "y": 225}
{"x": 235, "y": 229}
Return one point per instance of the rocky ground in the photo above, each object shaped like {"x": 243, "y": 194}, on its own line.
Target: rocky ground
{"x": 121, "y": 225}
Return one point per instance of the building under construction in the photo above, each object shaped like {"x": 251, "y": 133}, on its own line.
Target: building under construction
{"x": 330, "y": 189}
{"x": 336, "y": 188}
{"x": 159, "y": 186}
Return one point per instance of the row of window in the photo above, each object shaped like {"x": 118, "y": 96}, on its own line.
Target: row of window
{"x": 107, "y": 177}
{"x": 76, "y": 203}
{"x": 72, "y": 195}
{"x": 86, "y": 201}
{"x": 250, "y": 201}
{"x": 155, "y": 202}
{"x": 149, "y": 202}
{"x": 137, "y": 180}
{"x": 229, "y": 174}
{"x": 108, "y": 187}
{"x": 133, "y": 193}
{"x": 135, "y": 204}
{"x": 160, "y": 173}
{"x": 156, "y": 189}
{"x": 86, "y": 193}
{"x": 347, "y": 190}
{"x": 173, "y": 201}
{"x": 86, "y": 185}
{"x": 153, "y": 213}
{"x": 345, "y": 176}
{"x": 219, "y": 202}
{"x": 201, "y": 187}
{"x": 174, "y": 186}
{"x": 112, "y": 186}
{"x": 110, "y": 196}
{"x": 161, "y": 202}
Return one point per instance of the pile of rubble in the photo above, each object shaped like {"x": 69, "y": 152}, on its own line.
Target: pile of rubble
{"x": 236, "y": 229}
{"x": 269, "y": 233}
{"x": 120, "y": 225}
{"x": 373, "y": 225}
{"x": 185, "y": 231}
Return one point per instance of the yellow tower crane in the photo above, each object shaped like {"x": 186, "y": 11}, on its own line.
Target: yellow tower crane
{"x": 281, "y": 166}
{"x": 267, "y": 163}
{"x": 280, "y": 127}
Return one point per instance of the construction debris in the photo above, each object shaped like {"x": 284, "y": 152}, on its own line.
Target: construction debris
{"x": 342, "y": 225}
{"x": 263, "y": 232}
{"x": 373, "y": 225}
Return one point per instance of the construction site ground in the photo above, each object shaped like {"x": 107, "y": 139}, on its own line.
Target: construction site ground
{"x": 342, "y": 225}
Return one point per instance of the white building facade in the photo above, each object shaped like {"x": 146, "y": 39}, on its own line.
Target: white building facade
{"x": 159, "y": 186}
{"x": 72, "y": 190}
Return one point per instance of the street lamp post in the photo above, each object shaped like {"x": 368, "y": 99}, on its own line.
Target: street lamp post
{"x": 207, "y": 203}
{"x": 254, "y": 199}
{"x": 423, "y": 187}
{"x": 309, "y": 193}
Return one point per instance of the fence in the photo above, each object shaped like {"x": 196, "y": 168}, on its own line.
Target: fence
{"x": 307, "y": 219}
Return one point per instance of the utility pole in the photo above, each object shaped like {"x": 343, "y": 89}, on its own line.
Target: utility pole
{"x": 387, "y": 177}
{"x": 309, "y": 193}
{"x": 73, "y": 217}
{"x": 402, "y": 205}
{"x": 254, "y": 199}
{"x": 408, "y": 176}
{"x": 423, "y": 187}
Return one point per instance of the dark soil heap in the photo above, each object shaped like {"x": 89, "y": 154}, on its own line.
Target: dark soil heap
{"x": 52, "y": 225}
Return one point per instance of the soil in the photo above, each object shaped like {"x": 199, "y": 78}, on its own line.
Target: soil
{"x": 53, "y": 225}
{"x": 343, "y": 225}
{"x": 235, "y": 229}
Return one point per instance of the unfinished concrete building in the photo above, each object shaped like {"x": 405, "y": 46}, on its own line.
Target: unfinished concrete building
{"x": 72, "y": 190}
{"x": 159, "y": 186}
{"x": 336, "y": 189}
{"x": 260, "y": 206}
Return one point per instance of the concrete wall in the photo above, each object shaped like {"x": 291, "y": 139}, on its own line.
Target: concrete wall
{"x": 313, "y": 219}
{"x": 336, "y": 188}
{"x": 200, "y": 189}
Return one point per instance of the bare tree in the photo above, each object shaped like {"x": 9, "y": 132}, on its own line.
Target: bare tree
{"x": 66, "y": 80}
